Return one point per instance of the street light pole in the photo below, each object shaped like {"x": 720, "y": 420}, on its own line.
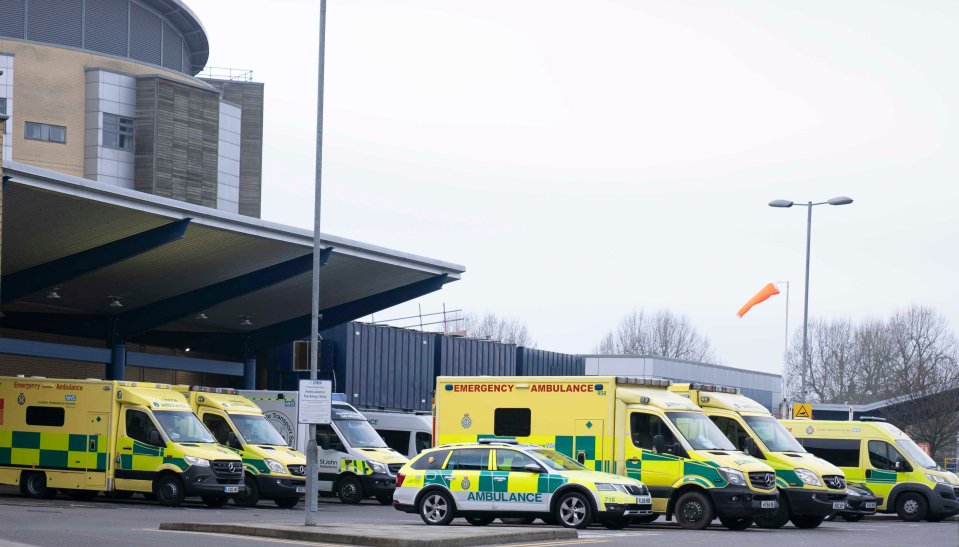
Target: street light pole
{"x": 783, "y": 203}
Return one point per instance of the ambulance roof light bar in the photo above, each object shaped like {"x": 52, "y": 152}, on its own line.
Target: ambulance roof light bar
{"x": 714, "y": 388}
{"x": 504, "y": 440}
{"x": 643, "y": 381}
{"x": 220, "y": 390}
{"x": 871, "y": 419}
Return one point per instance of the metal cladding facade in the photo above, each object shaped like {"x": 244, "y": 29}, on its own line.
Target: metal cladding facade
{"x": 472, "y": 357}
{"x": 378, "y": 366}
{"x": 537, "y": 362}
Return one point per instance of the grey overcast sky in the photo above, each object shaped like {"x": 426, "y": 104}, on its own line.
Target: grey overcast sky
{"x": 585, "y": 159}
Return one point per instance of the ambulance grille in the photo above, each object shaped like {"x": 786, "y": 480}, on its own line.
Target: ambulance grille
{"x": 763, "y": 480}
{"x": 636, "y": 490}
{"x": 835, "y": 482}
{"x": 298, "y": 470}
{"x": 227, "y": 469}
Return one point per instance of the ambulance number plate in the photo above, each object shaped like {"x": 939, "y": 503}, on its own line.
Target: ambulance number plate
{"x": 768, "y": 504}
{"x": 644, "y": 500}
{"x": 231, "y": 489}
{"x": 870, "y": 505}
{"x": 300, "y": 489}
{"x": 838, "y": 505}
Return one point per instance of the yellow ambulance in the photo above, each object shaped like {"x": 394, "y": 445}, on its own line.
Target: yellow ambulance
{"x": 88, "y": 436}
{"x": 810, "y": 488}
{"x": 887, "y": 461}
{"x": 272, "y": 469}
{"x": 628, "y": 426}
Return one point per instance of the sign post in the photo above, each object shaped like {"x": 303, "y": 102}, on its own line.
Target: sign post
{"x": 315, "y": 399}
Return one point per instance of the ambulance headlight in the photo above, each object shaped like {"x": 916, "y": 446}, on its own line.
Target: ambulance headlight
{"x": 733, "y": 476}
{"x": 378, "y": 467}
{"x": 605, "y": 486}
{"x": 275, "y": 466}
{"x": 808, "y": 477}
{"x": 936, "y": 479}
{"x": 199, "y": 462}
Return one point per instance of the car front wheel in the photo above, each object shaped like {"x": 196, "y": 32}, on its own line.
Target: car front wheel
{"x": 573, "y": 511}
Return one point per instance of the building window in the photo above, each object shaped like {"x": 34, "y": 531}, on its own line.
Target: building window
{"x": 44, "y": 132}
{"x": 117, "y": 132}
{"x": 3, "y": 106}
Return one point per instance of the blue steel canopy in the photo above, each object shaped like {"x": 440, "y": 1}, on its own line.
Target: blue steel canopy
{"x": 185, "y": 275}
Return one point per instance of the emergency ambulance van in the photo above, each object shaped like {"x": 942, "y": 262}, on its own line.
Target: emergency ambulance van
{"x": 272, "y": 469}
{"x": 355, "y": 463}
{"x": 810, "y": 488}
{"x": 887, "y": 461}
{"x": 627, "y": 426}
{"x": 408, "y": 433}
{"x": 89, "y": 436}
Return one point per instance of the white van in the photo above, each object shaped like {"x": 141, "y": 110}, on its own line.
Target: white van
{"x": 406, "y": 432}
{"x": 355, "y": 463}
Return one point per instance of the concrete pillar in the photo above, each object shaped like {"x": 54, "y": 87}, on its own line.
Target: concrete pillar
{"x": 118, "y": 362}
{"x": 249, "y": 372}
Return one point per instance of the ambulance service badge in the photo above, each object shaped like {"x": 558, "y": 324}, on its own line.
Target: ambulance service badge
{"x": 465, "y": 485}
{"x": 466, "y": 422}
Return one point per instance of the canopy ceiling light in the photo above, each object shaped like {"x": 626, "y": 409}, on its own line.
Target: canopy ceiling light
{"x": 115, "y": 301}
{"x": 246, "y": 321}
{"x": 54, "y": 294}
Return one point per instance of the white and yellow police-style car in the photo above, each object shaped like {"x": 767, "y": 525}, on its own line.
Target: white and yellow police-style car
{"x": 496, "y": 478}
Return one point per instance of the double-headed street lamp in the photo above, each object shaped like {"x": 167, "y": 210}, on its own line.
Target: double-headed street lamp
{"x": 842, "y": 200}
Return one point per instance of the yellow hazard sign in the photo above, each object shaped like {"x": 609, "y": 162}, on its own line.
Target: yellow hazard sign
{"x": 802, "y": 410}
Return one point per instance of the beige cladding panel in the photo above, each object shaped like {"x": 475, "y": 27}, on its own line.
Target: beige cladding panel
{"x": 50, "y": 87}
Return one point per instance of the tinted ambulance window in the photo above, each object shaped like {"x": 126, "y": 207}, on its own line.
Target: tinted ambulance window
{"x": 469, "y": 459}
{"x": 646, "y": 426}
{"x": 732, "y": 430}
{"x": 397, "y": 440}
{"x": 139, "y": 426}
{"x": 839, "y": 452}
{"x": 218, "y": 426}
{"x": 883, "y": 456}
{"x": 423, "y": 441}
{"x": 511, "y": 422}
{"x": 511, "y": 460}
{"x": 51, "y": 416}
{"x": 431, "y": 462}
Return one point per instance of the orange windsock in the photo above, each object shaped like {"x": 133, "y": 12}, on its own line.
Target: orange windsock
{"x": 763, "y": 294}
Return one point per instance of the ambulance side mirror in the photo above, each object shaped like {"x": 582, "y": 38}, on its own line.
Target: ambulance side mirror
{"x": 532, "y": 468}
{"x": 901, "y": 466}
{"x": 659, "y": 444}
{"x": 232, "y": 441}
{"x": 750, "y": 447}
{"x": 324, "y": 442}
{"x": 154, "y": 438}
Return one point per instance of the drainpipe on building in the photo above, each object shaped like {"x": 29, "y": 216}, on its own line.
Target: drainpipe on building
{"x": 3, "y": 181}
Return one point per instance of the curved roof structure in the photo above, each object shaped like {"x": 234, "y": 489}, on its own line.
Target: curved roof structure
{"x": 190, "y": 26}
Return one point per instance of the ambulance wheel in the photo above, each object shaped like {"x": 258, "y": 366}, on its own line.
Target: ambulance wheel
{"x": 852, "y": 517}
{"x": 436, "y": 507}
{"x": 480, "y": 521}
{"x": 80, "y": 495}
{"x": 215, "y": 501}
{"x": 911, "y": 506}
{"x": 646, "y": 519}
{"x": 286, "y": 503}
{"x": 385, "y": 499}
{"x": 806, "y": 522}
{"x": 519, "y": 520}
{"x": 693, "y": 510}
{"x": 617, "y": 523}
{"x": 777, "y": 519}
{"x": 350, "y": 490}
{"x": 573, "y": 511}
{"x": 168, "y": 490}
{"x": 249, "y": 494}
{"x": 34, "y": 484}
{"x": 740, "y": 523}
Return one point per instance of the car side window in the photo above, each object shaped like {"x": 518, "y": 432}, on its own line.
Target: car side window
{"x": 397, "y": 440}
{"x": 423, "y": 441}
{"x": 431, "y": 462}
{"x": 469, "y": 459}
{"x": 325, "y": 433}
{"x": 139, "y": 426}
{"x": 511, "y": 460}
{"x": 218, "y": 426}
{"x": 883, "y": 456}
{"x": 644, "y": 427}
{"x": 732, "y": 429}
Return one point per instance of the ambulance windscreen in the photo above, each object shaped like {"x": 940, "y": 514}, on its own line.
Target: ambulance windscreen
{"x": 556, "y": 461}
{"x": 773, "y": 434}
{"x": 183, "y": 427}
{"x": 257, "y": 430}
{"x": 700, "y": 431}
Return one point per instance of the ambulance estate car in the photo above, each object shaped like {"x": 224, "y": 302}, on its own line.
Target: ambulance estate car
{"x": 489, "y": 479}
{"x": 810, "y": 488}
{"x": 627, "y": 426}
{"x": 88, "y": 436}
{"x": 272, "y": 470}
{"x": 887, "y": 461}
